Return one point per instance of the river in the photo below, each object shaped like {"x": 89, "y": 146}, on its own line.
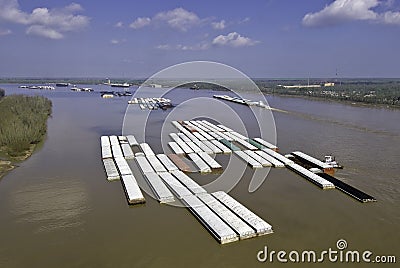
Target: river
{"x": 58, "y": 210}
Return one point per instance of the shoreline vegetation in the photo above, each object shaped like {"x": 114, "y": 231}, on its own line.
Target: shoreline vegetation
{"x": 377, "y": 92}
{"x": 23, "y": 125}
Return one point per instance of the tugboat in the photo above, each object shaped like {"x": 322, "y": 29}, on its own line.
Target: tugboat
{"x": 330, "y": 160}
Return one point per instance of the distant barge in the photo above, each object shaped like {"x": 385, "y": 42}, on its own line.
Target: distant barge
{"x": 242, "y": 101}
{"x": 152, "y": 103}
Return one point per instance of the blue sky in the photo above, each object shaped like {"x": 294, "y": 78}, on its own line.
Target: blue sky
{"x": 135, "y": 39}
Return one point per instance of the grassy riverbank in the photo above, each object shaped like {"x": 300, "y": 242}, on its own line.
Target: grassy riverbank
{"x": 23, "y": 126}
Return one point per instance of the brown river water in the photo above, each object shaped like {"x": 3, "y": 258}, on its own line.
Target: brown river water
{"x": 58, "y": 210}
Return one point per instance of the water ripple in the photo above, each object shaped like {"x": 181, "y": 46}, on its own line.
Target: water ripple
{"x": 52, "y": 204}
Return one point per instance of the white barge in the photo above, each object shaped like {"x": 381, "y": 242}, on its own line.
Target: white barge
{"x": 175, "y": 148}
{"x": 266, "y": 144}
{"x": 178, "y": 126}
{"x": 144, "y": 164}
{"x": 189, "y": 183}
{"x": 278, "y": 156}
{"x": 251, "y": 161}
{"x": 312, "y": 177}
{"x": 114, "y": 140}
{"x": 156, "y": 164}
{"x": 206, "y": 135}
{"x": 181, "y": 143}
{"x": 259, "y": 225}
{"x": 225, "y": 128}
{"x": 106, "y": 152}
{"x": 175, "y": 186}
{"x": 161, "y": 191}
{"x": 111, "y": 169}
{"x": 117, "y": 151}
{"x": 146, "y": 149}
{"x": 258, "y": 158}
{"x": 237, "y": 224}
{"x": 194, "y": 147}
{"x": 133, "y": 193}
{"x": 132, "y": 140}
{"x": 184, "y": 137}
{"x": 203, "y": 167}
{"x": 212, "y": 126}
{"x": 222, "y": 147}
{"x": 105, "y": 141}
{"x": 210, "y": 161}
{"x": 203, "y": 147}
{"x": 213, "y": 147}
{"x": 199, "y": 136}
{"x": 319, "y": 164}
{"x": 246, "y": 144}
{"x": 270, "y": 159}
{"x": 168, "y": 164}
{"x": 214, "y": 224}
{"x": 127, "y": 150}
{"x": 123, "y": 166}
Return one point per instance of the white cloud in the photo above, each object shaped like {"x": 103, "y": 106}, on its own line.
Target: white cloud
{"x": 247, "y": 19}
{"x": 119, "y": 24}
{"x": 140, "y": 23}
{"x": 349, "y": 10}
{"x": 197, "y": 47}
{"x": 342, "y": 10}
{"x": 44, "y": 31}
{"x": 390, "y": 17}
{"x": 164, "y": 47}
{"x": 74, "y": 7}
{"x": 9, "y": 10}
{"x": 218, "y": 25}
{"x": 49, "y": 23}
{"x": 178, "y": 18}
{"x": 117, "y": 41}
{"x": 234, "y": 40}
{"x": 5, "y": 32}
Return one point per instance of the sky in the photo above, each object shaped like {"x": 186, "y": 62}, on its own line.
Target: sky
{"x": 261, "y": 38}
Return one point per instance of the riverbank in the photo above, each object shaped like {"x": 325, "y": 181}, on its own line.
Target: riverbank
{"x": 5, "y": 167}
{"x": 329, "y": 100}
{"x": 8, "y": 163}
{"x": 23, "y": 128}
